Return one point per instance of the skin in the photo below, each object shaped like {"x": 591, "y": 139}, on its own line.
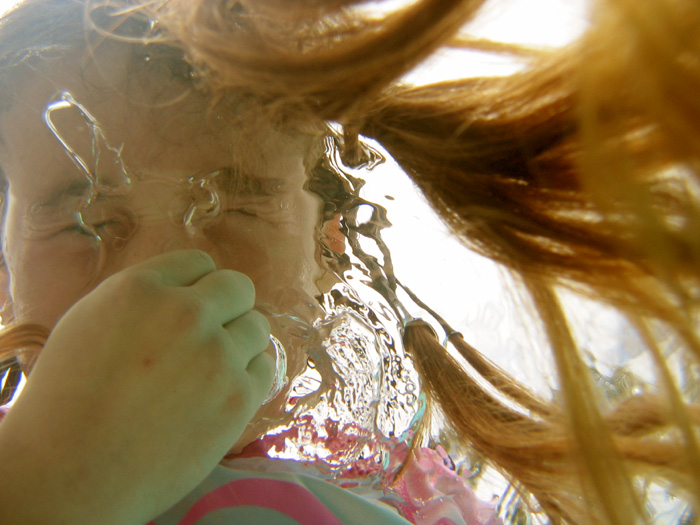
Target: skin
{"x": 120, "y": 420}
{"x": 156, "y": 364}
{"x": 51, "y": 264}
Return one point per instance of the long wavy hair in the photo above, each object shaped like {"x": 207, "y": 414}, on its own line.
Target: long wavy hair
{"x": 579, "y": 172}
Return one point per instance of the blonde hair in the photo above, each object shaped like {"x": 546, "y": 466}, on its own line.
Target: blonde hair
{"x": 580, "y": 172}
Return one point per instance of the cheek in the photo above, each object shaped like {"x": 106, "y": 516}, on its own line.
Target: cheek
{"x": 48, "y": 276}
{"x": 47, "y": 273}
{"x": 279, "y": 258}
{"x": 45, "y": 282}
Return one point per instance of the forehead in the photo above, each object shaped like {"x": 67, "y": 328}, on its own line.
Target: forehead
{"x": 143, "y": 105}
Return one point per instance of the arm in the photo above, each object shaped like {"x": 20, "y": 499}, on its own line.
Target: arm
{"x": 140, "y": 390}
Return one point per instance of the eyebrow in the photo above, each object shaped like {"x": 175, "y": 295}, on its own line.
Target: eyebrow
{"x": 63, "y": 194}
{"x": 235, "y": 183}
{"x": 232, "y": 183}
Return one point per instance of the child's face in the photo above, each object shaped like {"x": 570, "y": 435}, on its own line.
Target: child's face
{"x": 267, "y": 231}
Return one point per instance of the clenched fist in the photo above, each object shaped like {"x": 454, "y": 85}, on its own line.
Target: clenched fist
{"x": 142, "y": 387}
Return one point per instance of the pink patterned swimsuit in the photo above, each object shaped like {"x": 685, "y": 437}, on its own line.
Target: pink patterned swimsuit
{"x": 428, "y": 493}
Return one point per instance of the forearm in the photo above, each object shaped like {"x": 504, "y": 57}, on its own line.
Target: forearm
{"x": 44, "y": 481}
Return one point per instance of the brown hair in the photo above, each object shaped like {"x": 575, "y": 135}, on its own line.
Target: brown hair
{"x": 578, "y": 172}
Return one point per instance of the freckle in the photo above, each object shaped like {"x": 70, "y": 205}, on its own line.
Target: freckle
{"x": 147, "y": 362}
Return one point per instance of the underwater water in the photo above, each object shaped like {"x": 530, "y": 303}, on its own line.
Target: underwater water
{"x": 347, "y": 397}
{"x": 347, "y": 402}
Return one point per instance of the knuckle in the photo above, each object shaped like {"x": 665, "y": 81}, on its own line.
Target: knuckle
{"x": 253, "y": 330}
{"x": 240, "y": 284}
{"x": 218, "y": 346}
{"x": 265, "y": 369}
{"x": 133, "y": 283}
{"x": 215, "y": 353}
{"x": 260, "y": 323}
{"x": 190, "y": 308}
{"x": 269, "y": 373}
{"x": 205, "y": 258}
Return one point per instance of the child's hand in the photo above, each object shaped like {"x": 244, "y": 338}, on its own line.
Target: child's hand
{"x": 141, "y": 389}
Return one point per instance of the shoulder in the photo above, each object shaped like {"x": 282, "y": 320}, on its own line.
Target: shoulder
{"x": 241, "y": 497}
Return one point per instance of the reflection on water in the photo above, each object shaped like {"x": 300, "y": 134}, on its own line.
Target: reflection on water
{"x": 355, "y": 407}
{"x": 351, "y": 403}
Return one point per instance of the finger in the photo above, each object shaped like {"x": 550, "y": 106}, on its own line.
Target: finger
{"x": 261, "y": 371}
{"x": 180, "y": 267}
{"x": 250, "y": 336}
{"x": 227, "y": 293}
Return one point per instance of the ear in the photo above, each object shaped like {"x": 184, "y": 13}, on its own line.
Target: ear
{"x": 333, "y": 236}
{"x": 333, "y": 239}
{"x": 6, "y": 314}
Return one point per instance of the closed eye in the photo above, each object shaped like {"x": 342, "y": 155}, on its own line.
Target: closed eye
{"x": 116, "y": 223}
{"x": 274, "y": 210}
{"x": 242, "y": 211}
{"x": 84, "y": 229}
